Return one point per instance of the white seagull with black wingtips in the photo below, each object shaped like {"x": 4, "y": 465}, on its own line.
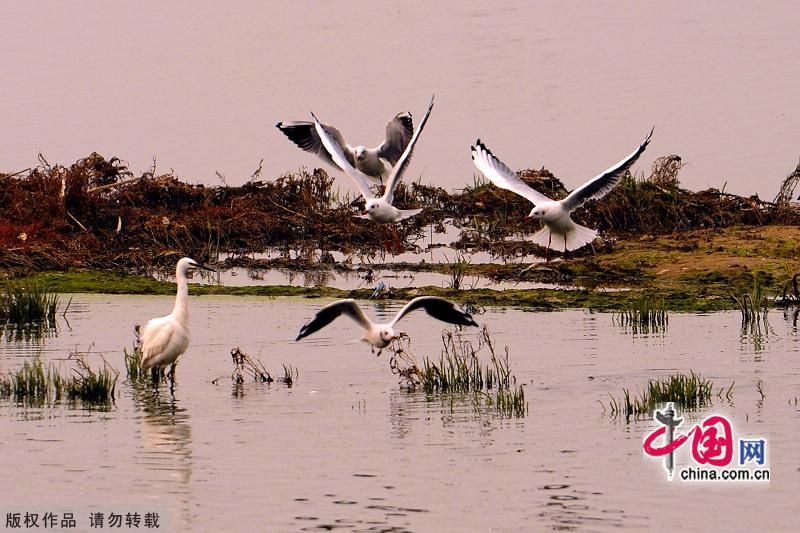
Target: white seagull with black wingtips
{"x": 380, "y": 335}
{"x": 377, "y": 209}
{"x": 560, "y": 232}
{"x": 376, "y": 163}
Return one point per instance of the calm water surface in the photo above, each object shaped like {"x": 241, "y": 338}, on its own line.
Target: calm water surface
{"x": 346, "y": 448}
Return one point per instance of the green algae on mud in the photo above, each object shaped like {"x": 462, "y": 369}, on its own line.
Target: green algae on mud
{"x": 699, "y": 293}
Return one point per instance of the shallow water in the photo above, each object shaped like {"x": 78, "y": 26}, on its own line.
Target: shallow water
{"x": 370, "y": 270}
{"x": 367, "y": 278}
{"x": 346, "y": 448}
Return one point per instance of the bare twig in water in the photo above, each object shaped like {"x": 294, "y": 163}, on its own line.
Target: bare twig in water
{"x": 244, "y": 364}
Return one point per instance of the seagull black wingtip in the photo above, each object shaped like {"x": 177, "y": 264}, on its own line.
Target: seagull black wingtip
{"x": 649, "y": 136}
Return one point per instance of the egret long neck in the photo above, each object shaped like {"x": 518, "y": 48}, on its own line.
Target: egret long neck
{"x": 181, "y": 309}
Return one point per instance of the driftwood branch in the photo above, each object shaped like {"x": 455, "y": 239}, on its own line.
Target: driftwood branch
{"x": 14, "y": 174}
{"x": 78, "y": 222}
{"x": 112, "y": 185}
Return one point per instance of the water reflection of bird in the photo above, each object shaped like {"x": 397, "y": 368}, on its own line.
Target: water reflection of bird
{"x": 165, "y": 458}
{"x": 380, "y": 335}
{"x": 555, "y": 214}
{"x": 377, "y": 209}
{"x": 164, "y": 339}
{"x": 371, "y": 161}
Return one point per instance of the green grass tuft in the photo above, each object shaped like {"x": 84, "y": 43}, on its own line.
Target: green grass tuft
{"x": 37, "y": 385}
{"x": 686, "y": 391}
{"x": 22, "y": 305}
{"x": 754, "y": 306}
{"x": 133, "y": 364}
{"x": 647, "y": 315}
{"x": 89, "y": 386}
{"x": 460, "y": 370}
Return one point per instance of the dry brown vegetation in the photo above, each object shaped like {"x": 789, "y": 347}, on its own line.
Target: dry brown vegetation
{"x": 96, "y": 213}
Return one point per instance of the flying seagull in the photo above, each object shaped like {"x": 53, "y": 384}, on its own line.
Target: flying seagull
{"x": 559, "y": 231}
{"x": 377, "y": 209}
{"x": 162, "y": 340}
{"x": 376, "y": 163}
{"x": 380, "y": 335}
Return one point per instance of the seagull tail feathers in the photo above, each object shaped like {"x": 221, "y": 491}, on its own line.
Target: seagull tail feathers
{"x": 579, "y": 236}
{"x": 543, "y": 238}
{"x": 575, "y": 238}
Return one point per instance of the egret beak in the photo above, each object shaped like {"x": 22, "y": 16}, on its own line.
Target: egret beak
{"x": 203, "y": 267}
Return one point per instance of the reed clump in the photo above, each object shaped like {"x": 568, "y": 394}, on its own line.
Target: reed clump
{"x": 89, "y": 386}
{"x": 690, "y": 391}
{"x": 37, "y": 385}
{"x": 645, "y": 316}
{"x": 754, "y": 306}
{"x": 133, "y": 364}
{"x": 21, "y": 305}
{"x": 458, "y": 268}
{"x": 461, "y": 370}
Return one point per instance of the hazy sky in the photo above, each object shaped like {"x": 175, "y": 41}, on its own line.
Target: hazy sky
{"x": 573, "y": 86}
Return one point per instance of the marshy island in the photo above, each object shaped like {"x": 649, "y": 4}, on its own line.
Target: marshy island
{"x": 94, "y": 226}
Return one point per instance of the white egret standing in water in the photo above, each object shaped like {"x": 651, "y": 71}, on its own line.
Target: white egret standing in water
{"x": 162, "y": 340}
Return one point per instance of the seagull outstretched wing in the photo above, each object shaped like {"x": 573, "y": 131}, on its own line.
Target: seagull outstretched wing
{"x": 331, "y": 312}
{"x": 336, "y": 152}
{"x": 498, "y": 173}
{"x": 402, "y": 163}
{"x": 438, "y": 308}
{"x": 304, "y": 135}
{"x": 602, "y": 184}
{"x": 399, "y": 131}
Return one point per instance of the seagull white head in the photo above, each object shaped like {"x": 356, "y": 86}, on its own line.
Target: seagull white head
{"x": 360, "y": 153}
{"x": 386, "y": 335}
{"x": 371, "y": 205}
{"x": 538, "y": 213}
